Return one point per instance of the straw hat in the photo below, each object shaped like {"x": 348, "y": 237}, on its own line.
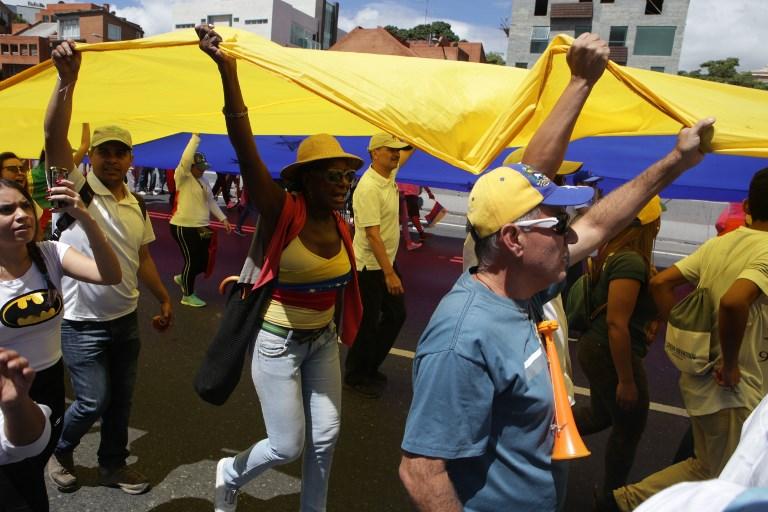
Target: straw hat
{"x": 318, "y": 147}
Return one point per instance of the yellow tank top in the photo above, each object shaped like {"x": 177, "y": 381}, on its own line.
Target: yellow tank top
{"x": 299, "y": 265}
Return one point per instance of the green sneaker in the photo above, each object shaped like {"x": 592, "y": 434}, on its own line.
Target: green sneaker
{"x": 177, "y": 280}
{"x": 193, "y": 301}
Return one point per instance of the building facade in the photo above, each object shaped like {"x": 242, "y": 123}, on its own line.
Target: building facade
{"x": 31, "y": 43}
{"x": 299, "y": 24}
{"x": 644, "y": 34}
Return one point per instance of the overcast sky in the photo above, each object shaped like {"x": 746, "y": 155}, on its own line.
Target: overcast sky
{"x": 715, "y": 29}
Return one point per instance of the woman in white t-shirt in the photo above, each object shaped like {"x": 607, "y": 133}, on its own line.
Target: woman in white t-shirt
{"x": 31, "y": 307}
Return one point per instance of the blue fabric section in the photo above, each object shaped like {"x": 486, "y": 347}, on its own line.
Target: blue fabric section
{"x": 617, "y": 159}
{"x": 320, "y": 286}
{"x": 483, "y": 401}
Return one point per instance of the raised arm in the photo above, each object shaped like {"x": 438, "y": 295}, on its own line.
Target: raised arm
{"x": 618, "y": 208}
{"x": 264, "y": 192}
{"x": 587, "y": 58}
{"x": 184, "y": 169}
{"x": 58, "y": 152}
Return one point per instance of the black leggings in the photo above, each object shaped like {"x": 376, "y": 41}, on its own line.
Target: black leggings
{"x": 22, "y": 484}
{"x": 194, "y": 244}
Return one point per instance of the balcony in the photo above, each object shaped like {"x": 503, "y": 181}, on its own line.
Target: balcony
{"x": 571, "y": 10}
{"x": 619, "y": 54}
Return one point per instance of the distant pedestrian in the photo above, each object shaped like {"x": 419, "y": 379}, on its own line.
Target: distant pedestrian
{"x": 190, "y": 222}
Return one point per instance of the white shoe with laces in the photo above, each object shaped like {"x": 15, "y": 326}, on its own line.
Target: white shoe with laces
{"x": 224, "y": 497}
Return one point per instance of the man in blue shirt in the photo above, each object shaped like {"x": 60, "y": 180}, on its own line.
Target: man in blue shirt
{"x": 478, "y": 436}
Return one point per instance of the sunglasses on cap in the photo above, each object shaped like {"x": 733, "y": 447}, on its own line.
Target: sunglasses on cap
{"x": 337, "y": 176}
{"x": 559, "y": 223}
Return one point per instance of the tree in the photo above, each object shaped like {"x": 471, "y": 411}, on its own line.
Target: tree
{"x": 495, "y": 58}
{"x": 724, "y": 71}
{"x": 423, "y": 32}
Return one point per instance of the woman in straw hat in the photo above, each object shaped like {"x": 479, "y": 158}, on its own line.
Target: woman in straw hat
{"x": 612, "y": 349}
{"x": 309, "y": 261}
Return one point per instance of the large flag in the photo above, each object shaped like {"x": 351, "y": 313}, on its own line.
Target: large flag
{"x": 462, "y": 113}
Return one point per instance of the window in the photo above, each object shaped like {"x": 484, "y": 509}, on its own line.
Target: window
{"x": 114, "y": 32}
{"x": 606, "y": 1}
{"x": 4, "y": 50}
{"x": 260, "y": 21}
{"x": 220, "y": 20}
{"x": 24, "y": 49}
{"x": 653, "y": 6}
{"x": 660, "y": 69}
{"x": 185, "y": 25}
{"x": 302, "y": 37}
{"x": 33, "y": 49}
{"x": 236, "y": 20}
{"x": 581, "y": 29}
{"x": 46, "y": 19}
{"x": 540, "y": 9}
{"x": 521, "y": 65}
{"x": 654, "y": 40}
{"x": 14, "y": 49}
{"x": 539, "y": 39}
{"x": 69, "y": 29}
{"x": 618, "y": 36}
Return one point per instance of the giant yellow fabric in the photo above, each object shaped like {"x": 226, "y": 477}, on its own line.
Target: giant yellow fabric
{"x": 462, "y": 113}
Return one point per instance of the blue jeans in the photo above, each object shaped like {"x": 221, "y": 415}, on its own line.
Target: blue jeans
{"x": 102, "y": 358}
{"x": 299, "y": 387}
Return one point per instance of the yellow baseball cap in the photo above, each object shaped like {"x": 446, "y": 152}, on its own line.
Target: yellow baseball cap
{"x": 650, "y": 212}
{"x": 507, "y": 193}
{"x": 567, "y": 167}
{"x": 385, "y": 140}
{"x": 104, "y": 134}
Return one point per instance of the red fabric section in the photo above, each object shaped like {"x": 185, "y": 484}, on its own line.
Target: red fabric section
{"x": 288, "y": 227}
{"x": 212, "y": 253}
{"x": 45, "y": 218}
{"x": 319, "y": 301}
{"x": 732, "y": 217}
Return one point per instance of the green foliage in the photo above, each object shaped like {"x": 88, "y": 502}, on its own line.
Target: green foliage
{"x": 495, "y": 58}
{"x": 423, "y": 32}
{"x": 725, "y": 72}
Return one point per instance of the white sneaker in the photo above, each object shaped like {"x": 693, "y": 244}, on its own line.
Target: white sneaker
{"x": 224, "y": 496}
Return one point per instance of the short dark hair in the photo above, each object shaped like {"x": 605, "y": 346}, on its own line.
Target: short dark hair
{"x": 758, "y": 195}
{"x": 6, "y": 155}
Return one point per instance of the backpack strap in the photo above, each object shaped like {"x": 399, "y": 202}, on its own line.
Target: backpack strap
{"x": 86, "y": 194}
{"x": 66, "y": 220}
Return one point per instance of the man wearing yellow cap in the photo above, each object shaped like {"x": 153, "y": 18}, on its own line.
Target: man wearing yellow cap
{"x": 376, "y": 205}
{"x": 479, "y": 432}
{"x": 100, "y": 332}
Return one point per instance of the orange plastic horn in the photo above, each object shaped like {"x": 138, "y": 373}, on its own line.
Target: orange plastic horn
{"x": 568, "y": 443}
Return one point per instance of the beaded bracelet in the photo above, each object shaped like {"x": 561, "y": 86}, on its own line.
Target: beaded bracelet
{"x": 235, "y": 115}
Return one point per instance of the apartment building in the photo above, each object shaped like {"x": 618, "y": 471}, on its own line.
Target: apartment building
{"x": 300, "y": 23}
{"x": 644, "y": 34}
{"x": 31, "y": 43}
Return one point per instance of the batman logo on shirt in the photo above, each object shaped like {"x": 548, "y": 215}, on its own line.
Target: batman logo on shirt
{"x": 30, "y": 309}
